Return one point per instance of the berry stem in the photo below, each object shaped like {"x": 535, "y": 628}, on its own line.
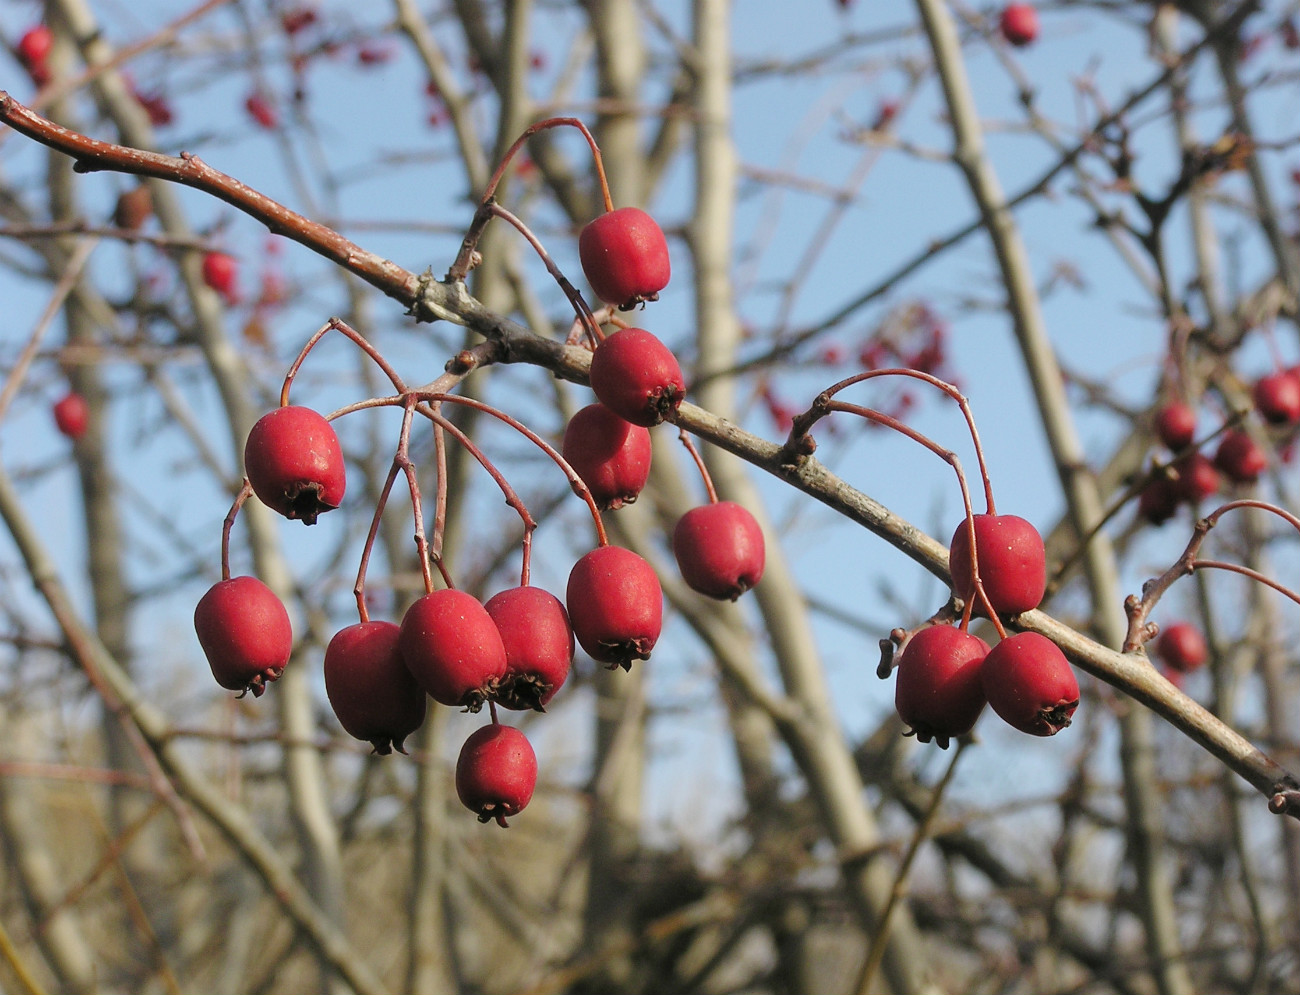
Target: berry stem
{"x": 699, "y": 463}
{"x": 403, "y": 459}
{"x": 342, "y": 326}
{"x": 440, "y": 500}
{"x": 244, "y": 493}
{"x": 492, "y": 710}
{"x": 359, "y": 588}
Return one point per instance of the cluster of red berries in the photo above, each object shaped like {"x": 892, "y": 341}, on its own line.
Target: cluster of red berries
{"x": 946, "y": 674}
{"x": 515, "y": 650}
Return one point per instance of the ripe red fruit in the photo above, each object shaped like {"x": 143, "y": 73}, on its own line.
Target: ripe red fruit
{"x": 625, "y": 256}
{"x": 1196, "y": 479}
{"x": 1181, "y": 647}
{"x": 637, "y": 377}
{"x": 33, "y": 51}
{"x": 295, "y": 463}
{"x": 615, "y": 605}
{"x": 609, "y": 453}
{"x": 219, "y": 272}
{"x": 1012, "y": 563}
{"x": 719, "y": 549}
{"x": 938, "y": 692}
{"x": 538, "y": 641}
{"x": 453, "y": 648}
{"x": 245, "y": 634}
{"x": 1277, "y": 397}
{"x": 374, "y": 695}
{"x": 72, "y": 415}
{"x": 261, "y": 110}
{"x": 1158, "y": 500}
{"x": 496, "y": 773}
{"x": 1240, "y": 457}
{"x": 1030, "y": 684}
{"x": 1176, "y": 425}
{"x": 1019, "y": 23}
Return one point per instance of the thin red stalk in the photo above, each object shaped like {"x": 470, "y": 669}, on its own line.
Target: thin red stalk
{"x": 340, "y": 325}
{"x": 699, "y": 463}
{"x": 359, "y": 588}
{"x": 403, "y": 459}
{"x": 244, "y": 493}
{"x": 439, "y": 501}
{"x": 1246, "y": 572}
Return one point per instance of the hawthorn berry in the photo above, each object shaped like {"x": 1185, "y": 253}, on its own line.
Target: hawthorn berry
{"x": 719, "y": 549}
{"x": 938, "y": 692}
{"x": 1196, "y": 478}
{"x": 1158, "y": 500}
{"x": 625, "y": 257}
{"x": 1240, "y": 457}
{"x": 261, "y": 110}
{"x": 1019, "y": 23}
{"x": 1030, "y": 684}
{"x": 496, "y": 773}
{"x": 1181, "y": 647}
{"x": 609, "y": 453}
{"x": 1277, "y": 397}
{"x": 538, "y": 640}
{"x": 71, "y": 415}
{"x": 637, "y": 377}
{"x": 1175, "y": 425}
{"x": 295, "y": 464}
{"x": 219, "y": 272}
{"x": 453, "y": 648}
{"x": 33, "y": 50}
{"x": 133, "y": 208}
{"x": 615, "y": 606}
{"x": 245, "y": 634}
{"x": 373, "y": 693}
{"x": 1012, "y": 563}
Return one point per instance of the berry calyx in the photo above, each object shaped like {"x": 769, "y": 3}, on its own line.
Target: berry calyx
{"x": 538, "y": 640}
{"x": 295, "y": 464}
{"x": 1030, "y": 684}
{"x": 1012, "y": 563}
{"x": 71, "y": 415}
{"x": 609, "y": 453}
{"x": 1175, "y": 425}
{"x": 719, "y": 549}
{"x": 453, "y": 648}
{"x": 1181, "y": 647}
{"x": 373, "y": 693}
{"x": 496, "y": 773}
{"x": 1240, "y": 457}
{"x": 245, "y": 634}
{"x": 938, "y": 692}
{"x": 637, "y": 377}
{"x": 625, "y": 257}
{"x": 1019, "y": 23}
{"x": 1277, "y": 397}
{"x": 615, "y": 606}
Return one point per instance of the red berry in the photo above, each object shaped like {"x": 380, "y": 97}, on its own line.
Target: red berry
{"x": 34, "y": 50}
{"x": 1030, "y": 684}
{"x": 1277, "y": 397}
{"x": 637, "y": 377}
{"x": 133, "y": 208}
{"x": 1181, "y": 647}
{"x": 1196, "y": 479}
{"x": 72, "y": 415}
{"x": 245, "y": 634}
{"x": 1176, "y": 425}
{"x": 538, "y": 640}
{"x": 374, "y": 54}
{"x": 625, "y": 256}
{"x": 1019, "y": 23}
{"x": 615, "y": 605}
{"x": 609, "y": 453}
{"x": 296, "y": 19}
{"x": 453, "y": 648}
{"x": 1012, "y": 563}
{"x": 219, "y": 273}
{"x": 374, "y": 695}
{"x": 719, "y": 549}
{"x": 496, "y": 773}
{"x": 938, "y": 691}
{"x": 261, "y": 110}
{"x": 1240, "y": 457}
{"x": 1158, "y": 500}
{"x": 157, "y": 106}
{"x": 295, "y": 463}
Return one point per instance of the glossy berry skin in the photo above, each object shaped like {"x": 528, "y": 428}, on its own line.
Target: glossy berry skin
{"x": 719, "y": 549}
{"x": 452, "y": 647}
{"x": 374, "y": 695}
{"x": 938, "y": 691}
{"x": 496, "y": 773}
{"x": 1012, "y": 563}
{"x": 609, "y": 453}
{"x": 637, "y": 377}
{"x": 625, "y": 257}
{"x": 1196, "y": 478}
{"x": 1030, "y": 684}
{"x": 1240, "y": 458}
{"x": 71, "y": 415}
{"x": 1019, "y": 23}
{"x": 219, "y": 273}
{"x": 33, "y": 51}
{"x": 1277, "y": 397}
{"x": 538, "y": 640}
{"x": 245, "y": 634}
{"x": 295, "y": 463}
{"x": 1181, "y": 647}
{"x": 615, "y": 606}
{"x": 1175, "y": 425}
